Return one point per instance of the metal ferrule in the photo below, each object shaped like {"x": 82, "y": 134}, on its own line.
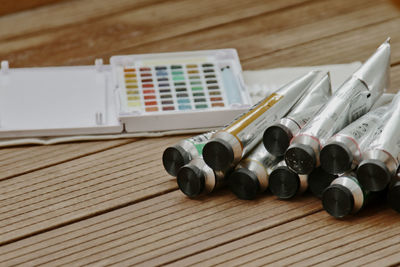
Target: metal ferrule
{"x": 351, "y": 145}
{"x": 234, "y": 142}
{"x": 256, "y": 167}
{"x": 260, "y": 162}
{"x": 293, "y": 127}
{"x": 355, "y": 189}
{"x": 189, "y": 147}
{"x": 303, "y": 178}
{"x": 382, "y": 156}
{"x": 210, "y": 177}
{"x": 310, "y": 141}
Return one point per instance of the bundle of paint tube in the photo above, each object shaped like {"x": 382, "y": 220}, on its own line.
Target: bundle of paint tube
{"x": 342, "y": 146}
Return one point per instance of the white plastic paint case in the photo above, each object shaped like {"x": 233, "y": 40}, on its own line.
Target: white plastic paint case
{"x": 78, "y": 100}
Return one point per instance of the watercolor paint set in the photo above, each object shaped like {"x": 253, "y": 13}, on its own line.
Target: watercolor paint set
{"x": 135, "y": 93}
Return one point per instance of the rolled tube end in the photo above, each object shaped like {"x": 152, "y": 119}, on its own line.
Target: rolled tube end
{"x": 174, "y": 158}
{"x": 373, "y": 175}
{"x": 284, "y": 183}
{"x": 276, "y": 139}
{"x": 300, "y": 158}
{"x": 218, "y": 154}
{"x": 244, "y": 184}
{"x": 191, "y": 180}
{"x": 338, "y": 201}
{"x": 336, "y": 158}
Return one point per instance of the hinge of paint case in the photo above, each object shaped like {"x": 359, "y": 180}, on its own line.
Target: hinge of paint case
{"x": 98, "y": 64}
{"x": 4, "y": 67}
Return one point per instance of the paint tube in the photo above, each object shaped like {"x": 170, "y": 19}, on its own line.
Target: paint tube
{"x": 196, "y": 178}
{"x": 174, "y": 157}
{"x": 277, "y": 137}
{"x": 353, "y": 99}
{"x": 229, "y": 145}
{"x": 385, "y": 99}
{"x": 285, "y": 183}
{"x": 343, "y": 151}
{"x": 382, "y": 158}
{"x": 251, "y": 174}
{"x": 346, "y": 196}
{"x": 393, "y": 197}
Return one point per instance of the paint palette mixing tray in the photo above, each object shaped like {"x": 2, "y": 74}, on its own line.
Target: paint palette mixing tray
{"x": 135, "y": 93}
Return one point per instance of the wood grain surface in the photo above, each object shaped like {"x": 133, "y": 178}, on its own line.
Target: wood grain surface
{"x": 111, "y": 202}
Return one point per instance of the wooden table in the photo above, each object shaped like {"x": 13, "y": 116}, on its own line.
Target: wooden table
{"x": 111, "y": 202}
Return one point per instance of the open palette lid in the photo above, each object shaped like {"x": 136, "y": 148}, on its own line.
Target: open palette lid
{"x": 57, "y": 101}
{"x": 98, "y": 99}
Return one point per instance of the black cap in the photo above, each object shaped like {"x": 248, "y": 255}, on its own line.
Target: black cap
{"x": 284, "y": 183}
{"x": 174, "y": 158}
{"x": 319, "y": 180}
{"x": 244, "y": 184}
{"x": 218, "y": 154}
{"x": 338, "y": 200}
{"x": 336, "y": 158}
{"x": 394, "y": 196}
{"x": 300, "y": 158}
{"x": 373, "y": 175}
{"x": 276, "y": 139}
{"x": 191, "y": 180}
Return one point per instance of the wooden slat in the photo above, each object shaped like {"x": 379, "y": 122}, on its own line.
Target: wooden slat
{"x": 79, "y": 188}
{"x": 153, "y": 212}
{"x": 184, "y": 228}
{"x": 331, "y": 238}
{"x": 251, "y": 243}
{"x": 369, "y": 249}
{"x": 345, "y": 47}
{"x": 98, "y": 204}
{"x": 308, "y": 236}
{"x": 137, "y": 26}
{"x": 389, "y": 256}
{"x": 286, "y": 244}
{"x": 19, "y": 160}
{"x": 330, "y": 252}
{"x": 62, "y": 15}
{"x": 278, "y": 31}
{"x": 10, "y": 6}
